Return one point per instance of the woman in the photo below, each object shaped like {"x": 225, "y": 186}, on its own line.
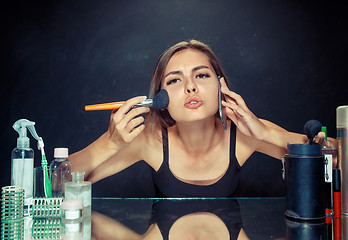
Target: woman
{"x": 186, "y": 145}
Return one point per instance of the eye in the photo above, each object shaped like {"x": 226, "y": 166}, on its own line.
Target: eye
{"x": 172, "y": 81}
{"x": 203, "y": 75}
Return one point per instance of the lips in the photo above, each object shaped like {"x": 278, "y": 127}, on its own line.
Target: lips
{"x": 193, "y": 103}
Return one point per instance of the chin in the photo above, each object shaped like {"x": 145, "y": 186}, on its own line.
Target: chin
{"x": 188, "y": 115}
{"x": 196, "y": 118}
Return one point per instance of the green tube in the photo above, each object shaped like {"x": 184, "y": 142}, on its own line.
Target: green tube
{"x": 47, "y": 183}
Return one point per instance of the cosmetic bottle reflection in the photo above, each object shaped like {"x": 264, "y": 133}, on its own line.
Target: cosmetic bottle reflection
{"x": 74, "y": 225}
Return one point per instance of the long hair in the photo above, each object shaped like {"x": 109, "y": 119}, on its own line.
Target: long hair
{"x": 159, "y": 119}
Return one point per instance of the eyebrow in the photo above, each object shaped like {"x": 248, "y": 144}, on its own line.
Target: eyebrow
{"x": 193, "y": 70}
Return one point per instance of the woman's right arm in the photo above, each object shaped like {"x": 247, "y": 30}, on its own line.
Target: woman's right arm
{"x": 125, "y": 125}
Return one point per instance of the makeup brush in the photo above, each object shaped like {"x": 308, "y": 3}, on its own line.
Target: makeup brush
{"x": 160, "y": 101}
{"x": 311, "y": 129}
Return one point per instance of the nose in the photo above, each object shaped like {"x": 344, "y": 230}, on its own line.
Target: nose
{"x": 188, "y": 90}
{"x": 191, "y": 87}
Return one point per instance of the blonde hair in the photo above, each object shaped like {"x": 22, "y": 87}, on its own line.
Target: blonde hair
{"x": 160, "y": 119}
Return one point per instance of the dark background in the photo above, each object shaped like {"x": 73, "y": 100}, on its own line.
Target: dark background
{"x": 286, "y": 58}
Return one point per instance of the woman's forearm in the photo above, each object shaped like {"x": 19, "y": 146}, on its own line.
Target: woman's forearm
{"x": 93, "y": 155}
{"x": 276, "y": 139}
{"x": 282, "y": 138}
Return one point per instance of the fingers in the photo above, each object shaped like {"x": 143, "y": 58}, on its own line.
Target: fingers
{"x": 127, "y": 106}
{"x": 125, "y": 123}
{"x": 320, "y": 138}
{"x": 231, "y": 107}
{"x": 134, "y": 123}
{"x": 235, "y": 109}
{"x": 125, "y": 118}
{"x": 231, "y": 96}
{"x": 127, "y": 126}
{"x": 129, "y": 136}
{"x": 231, "y": 114}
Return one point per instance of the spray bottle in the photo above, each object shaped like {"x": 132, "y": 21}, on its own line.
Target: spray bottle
{"x": 23, "y": 160}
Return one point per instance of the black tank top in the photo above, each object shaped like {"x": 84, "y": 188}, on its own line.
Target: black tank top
{"x": 167, "y": 185}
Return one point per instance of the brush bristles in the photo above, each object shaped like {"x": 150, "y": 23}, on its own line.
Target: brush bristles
{"x": 312, "y": 128}
{"x": 161, "y": 100}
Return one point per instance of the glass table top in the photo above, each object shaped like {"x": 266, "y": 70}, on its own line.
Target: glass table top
{"x": 204, "y": 218}
{"x": 185, "y": 218}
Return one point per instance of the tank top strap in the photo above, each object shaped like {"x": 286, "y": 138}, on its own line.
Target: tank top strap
{"x": 165, "y": 145}
{"x": 233, "y": 135}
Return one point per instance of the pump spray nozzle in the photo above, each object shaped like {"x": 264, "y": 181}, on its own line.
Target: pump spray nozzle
{"x": 21, "y": 127}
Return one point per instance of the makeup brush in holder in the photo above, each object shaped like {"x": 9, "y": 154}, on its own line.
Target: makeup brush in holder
{"x": 304, "y": 177}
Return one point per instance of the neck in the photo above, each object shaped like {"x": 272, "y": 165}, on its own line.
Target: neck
{"x": 198, "y": 137}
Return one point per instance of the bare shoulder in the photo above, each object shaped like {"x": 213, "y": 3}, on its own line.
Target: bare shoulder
{"x": 245, "y": 147}
{"x": 151, "y": 148}
{"x": 273, "y": 145}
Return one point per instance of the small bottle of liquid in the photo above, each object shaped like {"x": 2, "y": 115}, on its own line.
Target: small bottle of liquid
{"x": 79, "y": 189}
{"x": 330, "y": 160}
{"x": 60, "y": 171}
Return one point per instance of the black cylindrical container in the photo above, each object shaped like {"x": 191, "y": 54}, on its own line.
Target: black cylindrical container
{"x": 305, "y": 230}
{"x": 304, "y": 177}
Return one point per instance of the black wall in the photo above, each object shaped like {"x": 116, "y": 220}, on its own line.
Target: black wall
{"x": 286, "y": 58}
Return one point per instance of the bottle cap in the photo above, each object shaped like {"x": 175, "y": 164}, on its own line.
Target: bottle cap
{"x": 78, "y": 176}
{"x": 61, "y": 153}
{"x": 23, "y": 142}
{"x": 342, "y": 117}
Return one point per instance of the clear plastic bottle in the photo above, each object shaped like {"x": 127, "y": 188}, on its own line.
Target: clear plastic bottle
{"x": 79, "y": 189}
{"x": 60, "y": 171}
{"x": 23, "y": 169}
{"x": 22, "y": 160}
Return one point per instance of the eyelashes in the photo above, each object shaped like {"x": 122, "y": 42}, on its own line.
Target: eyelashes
{"x": 172, "y": 81}
{"x": 198, "y": 76}
{"x": 203, "y": 75}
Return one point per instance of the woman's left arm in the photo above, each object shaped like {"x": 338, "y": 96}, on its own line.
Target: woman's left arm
{"x": 267, "y": 136}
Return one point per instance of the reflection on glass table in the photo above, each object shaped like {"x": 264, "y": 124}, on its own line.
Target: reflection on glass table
{"x": 177, "y": 219}
{"x": 208, "y": 218}
{"x": 241, "y": 218}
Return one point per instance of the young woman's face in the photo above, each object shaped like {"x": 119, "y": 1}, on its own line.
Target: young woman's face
{"x": 192, "y": 86}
